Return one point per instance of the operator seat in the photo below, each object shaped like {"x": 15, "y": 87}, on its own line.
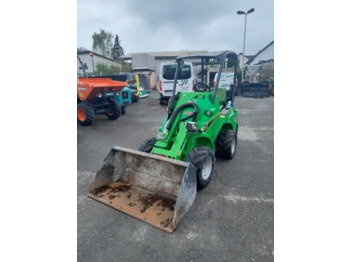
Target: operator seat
{"x": 221, "y": 95}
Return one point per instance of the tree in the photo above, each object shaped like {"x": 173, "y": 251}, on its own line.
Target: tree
{"x": 102, "y": 43}
{"x": 103, "y": 69}
{"x": 81, "y": 49}
{"x": 231, "y": 64}
{"x": 117, "y": 48}
{"x": 126, "y": 68}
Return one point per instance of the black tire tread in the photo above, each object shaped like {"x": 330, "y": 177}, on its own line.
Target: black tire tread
{"x": 89, "y": 112}
{"x": 135, "y": 98}
{"x": 116, "y": 108}
{"x": 123, "y": 110}
{"x": 223, "y": 144}
{"x": 147, "y": 145}
{"x": 196, "y": 156}
{"x": 163, "y": 101}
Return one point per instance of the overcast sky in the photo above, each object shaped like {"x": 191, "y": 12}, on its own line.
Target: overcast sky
{"x": 174, "y": 25}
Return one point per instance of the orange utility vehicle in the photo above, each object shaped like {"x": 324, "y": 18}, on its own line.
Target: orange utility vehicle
{"x": 97, "y": 96}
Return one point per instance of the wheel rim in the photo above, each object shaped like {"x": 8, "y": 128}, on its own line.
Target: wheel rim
{"x": 207, "y": 166}
{"x": 233, "y": 145}
{"x": 81, "y": 114}
{"x": 110, "y": 113}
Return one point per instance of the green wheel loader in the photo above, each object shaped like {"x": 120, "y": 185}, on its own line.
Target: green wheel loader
{"x": 158, "y": 183}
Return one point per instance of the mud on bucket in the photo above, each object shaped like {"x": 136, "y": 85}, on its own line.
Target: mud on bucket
{"x": 151, "y": 188}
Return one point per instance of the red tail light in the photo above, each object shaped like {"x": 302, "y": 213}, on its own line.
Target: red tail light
{"x": 214, "y": 83}
{"x": 192, "y": 85}
{"x": 160, "y": 86}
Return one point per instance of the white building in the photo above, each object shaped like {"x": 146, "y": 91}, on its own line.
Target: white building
{"x": 246, "y": 59}
{"x": 161, "y": 57}
{"x": 265, "y": 58}
{"x": 267, "y": 53}
{"x": 97, "y": 59}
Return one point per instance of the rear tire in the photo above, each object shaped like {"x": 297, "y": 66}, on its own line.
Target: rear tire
{"x": 203, "y": 159}
{"x": 123, "y": 110}
{"x": 115, "y": 109}
{"x": 226, "y": 144}
{"x": 147, "y": 145}
{"x": 85, "y": 114}
{"x": 135, "y": 98}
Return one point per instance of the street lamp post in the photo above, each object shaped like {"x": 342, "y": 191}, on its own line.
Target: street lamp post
{"x": 92, "y": 58}
{"x": 245, "y": 25}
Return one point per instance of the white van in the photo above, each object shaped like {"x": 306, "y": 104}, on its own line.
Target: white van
{"x": 226, "y": 80}
{"x": 185, "y": 80}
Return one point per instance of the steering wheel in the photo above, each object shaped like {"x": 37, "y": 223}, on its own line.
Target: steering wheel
{"x": 201, "y": 87}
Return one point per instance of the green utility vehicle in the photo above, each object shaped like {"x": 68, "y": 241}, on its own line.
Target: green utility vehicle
{"x": 158, "y": 183}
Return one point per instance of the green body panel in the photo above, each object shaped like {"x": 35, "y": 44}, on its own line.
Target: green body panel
{"x": 210, "y": 121}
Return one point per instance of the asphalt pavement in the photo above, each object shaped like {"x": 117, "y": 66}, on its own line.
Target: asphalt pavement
{"x": 231, "y": 220}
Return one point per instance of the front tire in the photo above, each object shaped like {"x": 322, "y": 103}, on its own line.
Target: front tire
{"x": 148, "y": 145}
{"x": 135, "y": 98}
{"x": 123, "y": 110}
{"x": 85, "y": 114}
{"x": 203, "y": 159}
{"x": 115, "y": 111}
{"x": 226, "y": 144}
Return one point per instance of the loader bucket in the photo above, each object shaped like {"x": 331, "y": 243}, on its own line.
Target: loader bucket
{"x": 151, "y": 188}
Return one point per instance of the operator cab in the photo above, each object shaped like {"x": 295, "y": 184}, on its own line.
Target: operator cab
{"x": 225, "y": 94}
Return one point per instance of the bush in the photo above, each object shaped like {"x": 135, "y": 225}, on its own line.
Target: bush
{"x": 126, "y": 68}
{"x": 103, "y": 69}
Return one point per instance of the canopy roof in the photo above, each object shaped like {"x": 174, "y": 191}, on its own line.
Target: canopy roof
{"x": 218, "y": 55}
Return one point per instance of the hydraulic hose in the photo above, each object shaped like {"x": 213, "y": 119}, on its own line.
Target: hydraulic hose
{"x": 177, "y": 110}
{"x": 171, "y": 104}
